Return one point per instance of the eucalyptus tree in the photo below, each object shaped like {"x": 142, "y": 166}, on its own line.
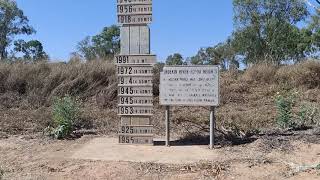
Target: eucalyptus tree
{"x": 13, "y": 22}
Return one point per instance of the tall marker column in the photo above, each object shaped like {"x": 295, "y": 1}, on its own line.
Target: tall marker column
{"x": 135, "y": 72}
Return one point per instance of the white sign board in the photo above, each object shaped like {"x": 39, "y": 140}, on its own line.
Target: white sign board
{"x": 190, "y": 86}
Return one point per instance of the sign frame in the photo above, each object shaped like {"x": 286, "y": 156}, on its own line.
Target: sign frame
{"x": 192, "y": 104}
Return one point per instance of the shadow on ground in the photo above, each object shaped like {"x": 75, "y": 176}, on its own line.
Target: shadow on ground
{"x": 220, "y": 140}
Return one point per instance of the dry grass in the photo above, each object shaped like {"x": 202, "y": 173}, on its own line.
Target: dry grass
{"x": 247, "y": 103}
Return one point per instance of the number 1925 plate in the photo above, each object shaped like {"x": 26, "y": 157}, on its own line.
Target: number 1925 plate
{"x": 148, "y": 129}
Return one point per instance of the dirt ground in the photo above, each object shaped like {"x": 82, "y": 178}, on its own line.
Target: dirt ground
{"x": 292, "y": 156}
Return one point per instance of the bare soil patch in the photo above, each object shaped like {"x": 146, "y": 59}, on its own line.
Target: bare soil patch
{"x": 35, "y": 157}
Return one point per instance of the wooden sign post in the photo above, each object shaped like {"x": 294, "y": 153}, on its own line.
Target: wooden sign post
{"x": 135, "y": 72}
{"x": 190, "y": 86}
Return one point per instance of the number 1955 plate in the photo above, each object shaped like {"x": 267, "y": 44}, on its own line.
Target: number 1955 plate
{"x": 133, "y": 139}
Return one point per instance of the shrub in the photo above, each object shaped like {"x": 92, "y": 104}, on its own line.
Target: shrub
{"x": 261, "y": 73}
{"x": 309, "y": 115}
{"x": 66, "y": 112}
{"x": 285, "y": 102}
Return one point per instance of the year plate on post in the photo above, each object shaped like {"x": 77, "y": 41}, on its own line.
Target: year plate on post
{"x": 135, "y": 81}
{"x": 135, "y": 139}
{"x": 135, "y": 91}
{"x": 138, "y": 101}
{"x": 147, "y": 129}
{"x": 134, "y": 9}
{"x": 132, "y": 2}
{"x": 135, "y": 59}
{"x": 131, "y": 70}
{"x": 135, "y": 111}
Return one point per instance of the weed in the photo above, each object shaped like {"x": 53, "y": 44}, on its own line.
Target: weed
{"x": 309, "y": 115}
{"x": 65, "y": 112}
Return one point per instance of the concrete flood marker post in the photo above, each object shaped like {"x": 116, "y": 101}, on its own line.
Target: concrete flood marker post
{"x": 190, "y": 86}
{"x": 135, "y": 72}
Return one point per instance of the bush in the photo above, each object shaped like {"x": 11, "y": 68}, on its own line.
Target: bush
{"x": 66, "y": 112}
{"x": 309, "y": 115}
{"x": 285, "y": 102}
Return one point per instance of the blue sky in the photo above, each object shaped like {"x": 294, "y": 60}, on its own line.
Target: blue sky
{"x": 179, "y": 25}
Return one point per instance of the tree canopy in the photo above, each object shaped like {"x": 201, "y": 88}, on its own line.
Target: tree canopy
{"x": 12, "y": 22}
{"x": 266, "y": 30}
{"x": 274, "y": 31}
{"x": 102, "y": 46}
{"x": 175, "y": 59}
{"x": 31, "y": 50}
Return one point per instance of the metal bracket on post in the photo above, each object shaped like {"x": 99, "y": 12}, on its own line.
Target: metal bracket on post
{"x": 212, "y": 126}
{"x": 168, "y": 126}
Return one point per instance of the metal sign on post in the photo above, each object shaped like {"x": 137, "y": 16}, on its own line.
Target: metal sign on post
{"x": 132, "y": 12}
{"x": 190, "y": 86}
{"x": 135, "y": 72}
